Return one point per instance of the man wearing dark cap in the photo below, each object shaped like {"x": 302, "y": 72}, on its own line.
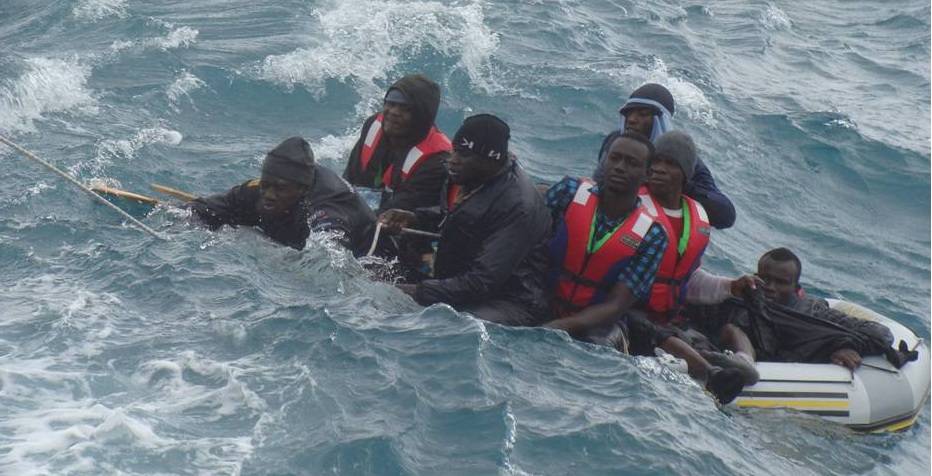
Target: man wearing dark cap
{"x": 399, "y": 156}
{"x": 649, "y": 112}
{"x": 493, "y": 228}
{"x": 292, "y": 198}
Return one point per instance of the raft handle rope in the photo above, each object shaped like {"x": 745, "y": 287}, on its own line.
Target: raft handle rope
{"x": 409, "y": 231}
{"x": 83, "y": 187}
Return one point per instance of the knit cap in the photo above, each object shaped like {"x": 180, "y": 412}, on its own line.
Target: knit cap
{"x": 291, "y": 160}
{"x": 650, "y": 92}
{"x": 678, "y": 146}
{"x": 485, "y": 135}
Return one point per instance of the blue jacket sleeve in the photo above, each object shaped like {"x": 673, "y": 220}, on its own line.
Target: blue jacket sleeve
{"x": 702, "y": 188}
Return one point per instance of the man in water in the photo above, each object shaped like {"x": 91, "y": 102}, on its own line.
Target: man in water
{"x": 649, "y": 112}
{"x": 292, "y": 198}
{"x": 400, "y": 154}
{"x": 604, "y": 255}
{"x": 493, "y": 228}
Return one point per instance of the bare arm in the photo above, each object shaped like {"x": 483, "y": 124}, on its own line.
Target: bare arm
{"x": 618, "y": 301}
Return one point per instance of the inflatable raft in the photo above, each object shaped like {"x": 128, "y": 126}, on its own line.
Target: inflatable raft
{"x": 877, "y": 397}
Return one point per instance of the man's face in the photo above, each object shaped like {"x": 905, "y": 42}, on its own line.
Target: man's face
{"x": 640, "y": 120}
{"x": 779, "y": 279}
{"x": 626, "y": 165}
{"x": 278, "y": 196}
{"x": 468, "y": 168}
{"x": 665, "y": 176}
{"x": 397, "y": 119}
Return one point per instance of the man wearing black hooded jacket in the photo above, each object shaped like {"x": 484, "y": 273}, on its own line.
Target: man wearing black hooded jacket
{"x": 400, "y": 154}
{"x": 292, "y": 198}
{"x": 493, "y": 228}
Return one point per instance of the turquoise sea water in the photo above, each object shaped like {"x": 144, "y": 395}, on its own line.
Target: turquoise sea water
{"x": 223, "y": 353}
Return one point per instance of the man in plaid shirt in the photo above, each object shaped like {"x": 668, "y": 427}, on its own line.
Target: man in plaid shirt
{"x": 604, "y": 256}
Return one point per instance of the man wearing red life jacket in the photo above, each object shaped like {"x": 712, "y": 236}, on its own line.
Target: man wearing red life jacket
{"x": 679, "y": 278}
{"x": 604, "y": 255}
{"x": 399, "y": 157}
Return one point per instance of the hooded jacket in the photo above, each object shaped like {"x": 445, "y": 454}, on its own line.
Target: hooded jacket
{"x": 330, "y": 205}
{"x": 422, "y": 188}
{"x": 491, "y": 246}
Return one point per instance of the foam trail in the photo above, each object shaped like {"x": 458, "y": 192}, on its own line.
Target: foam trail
{"x": 48, "y": 85}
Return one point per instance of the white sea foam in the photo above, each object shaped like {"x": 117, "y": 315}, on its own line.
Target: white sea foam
{"x": 331, "y": 150}
{"x": 218, "y": 389}
{"x": 48, "y": 85}
{"x": 182, "y": 87}
{"x": 94, "y": 10}
{"x": 365, "y": 42}
{"x": 175, "y": 38}
{"x": 774, "y": 19}
{"x": 126, "y": 149}
{"x": 690, "y": 100}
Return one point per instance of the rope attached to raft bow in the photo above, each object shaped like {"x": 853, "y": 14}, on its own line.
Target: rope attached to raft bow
{"x": 83, "y": 187}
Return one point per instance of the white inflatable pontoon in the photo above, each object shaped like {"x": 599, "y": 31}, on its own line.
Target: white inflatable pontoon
{"x": 877, "y": 397}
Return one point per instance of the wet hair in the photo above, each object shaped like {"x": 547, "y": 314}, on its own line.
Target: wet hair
{"x": 783, "y": 255}
{"x": 640, "y": 138}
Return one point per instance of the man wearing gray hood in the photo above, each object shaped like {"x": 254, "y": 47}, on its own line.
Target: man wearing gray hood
{"x": 399, "y": 157}
{"x": 293, "y": 197}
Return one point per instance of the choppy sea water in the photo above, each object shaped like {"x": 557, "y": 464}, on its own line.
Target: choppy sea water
{"x": 223, "y": 353}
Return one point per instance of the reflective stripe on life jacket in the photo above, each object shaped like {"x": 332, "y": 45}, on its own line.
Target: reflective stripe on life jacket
{"x": 578, "y": 277}
{"x": 668, "y": 292}
{"x": 434, "y": 143}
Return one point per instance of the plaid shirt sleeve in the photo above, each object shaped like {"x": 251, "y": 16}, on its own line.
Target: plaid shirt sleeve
{"x": 559, "y": 196}
{"x": 638, "y": 275}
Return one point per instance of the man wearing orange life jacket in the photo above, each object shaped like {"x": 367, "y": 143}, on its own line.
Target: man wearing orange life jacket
{"x": 604, "y": 255}
{"x": 679, "y": 278}
{"x": 399, "y": 157}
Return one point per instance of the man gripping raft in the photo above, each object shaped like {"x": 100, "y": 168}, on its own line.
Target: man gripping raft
{"x": 293, "y": 197}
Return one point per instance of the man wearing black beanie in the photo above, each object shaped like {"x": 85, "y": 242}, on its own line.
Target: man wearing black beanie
{"x": 293, "y": 197}
{"x": 493, "y": 228}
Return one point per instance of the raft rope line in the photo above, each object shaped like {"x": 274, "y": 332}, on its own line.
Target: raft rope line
{"x": 83, "y": 187}
{"x": 409, "y": 231}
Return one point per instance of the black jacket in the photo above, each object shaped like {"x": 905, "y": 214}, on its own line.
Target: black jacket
{"x": 809, "y": 331}
{"x": 331, "y": 205}
{"x": 491, "y": 246}
{"x": 423, "y": 187}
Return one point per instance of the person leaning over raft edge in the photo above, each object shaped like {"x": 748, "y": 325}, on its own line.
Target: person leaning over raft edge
{"x": 400, "y": 153}
{"x": 649, "y": 111}
{"x": 604, "y": 255}
{"x": 493, "y": 227}
{"x": 787, "y": 325}
{"x": 293, "y": 197}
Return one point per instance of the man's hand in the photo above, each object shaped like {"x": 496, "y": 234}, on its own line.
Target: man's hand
{"x": 847, "y": 358}
{"x": 748, "y": 281}
{"x": 394, "y": 220}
